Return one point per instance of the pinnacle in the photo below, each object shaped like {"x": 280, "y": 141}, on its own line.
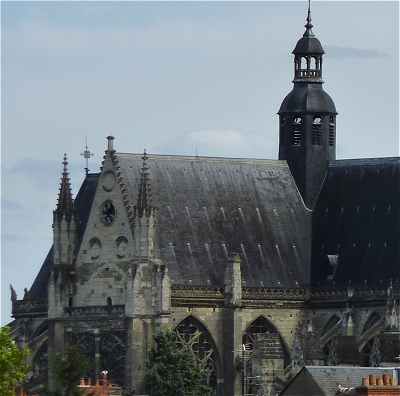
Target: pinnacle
{"x": 143, "y": 204}
{"x": 65, "y": 202}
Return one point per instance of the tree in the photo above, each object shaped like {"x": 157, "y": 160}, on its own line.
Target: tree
{"x": 69, "y": 368}
{"x": 173, "y": 369}
{"x": 13, "y": 363}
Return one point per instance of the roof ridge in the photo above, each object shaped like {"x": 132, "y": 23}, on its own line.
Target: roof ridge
{"x": 192, "y": 157}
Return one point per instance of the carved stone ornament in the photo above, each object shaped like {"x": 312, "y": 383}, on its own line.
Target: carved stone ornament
{"x": 122, "y": 247}
{"x": 107, "y": 213}
{"x": 108, "y": 181}
{"x": 94, "y": 248}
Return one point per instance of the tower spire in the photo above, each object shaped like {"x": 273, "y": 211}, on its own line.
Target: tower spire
{"x": 307, "y": 119}
{"x": 143, "y": 204}
{"x": 308, "y": 25}
{"x": 65, "y": 202}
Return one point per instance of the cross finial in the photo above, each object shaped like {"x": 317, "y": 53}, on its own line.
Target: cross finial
{"x": 86, "y": 155}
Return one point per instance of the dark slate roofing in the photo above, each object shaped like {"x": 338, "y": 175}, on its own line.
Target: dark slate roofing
{"x": 358, "y": 218}
{"x": 209, "y": 207}
{"x": 83, "y": 202}
{"x": 307, "y": 98}
{"x": 308, "y": 46}
{"x": 324, "y": 380}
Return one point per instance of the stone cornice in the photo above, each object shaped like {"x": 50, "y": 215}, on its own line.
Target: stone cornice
{"x": 323, "y": 297}
{"x": 29, "y": 308}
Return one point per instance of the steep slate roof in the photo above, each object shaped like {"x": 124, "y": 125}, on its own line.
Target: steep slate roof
{"x": 324, "y": 380}
{"x": 358, "y": 218}
{"x": 212, "y": 206}
{"x": 83, "y": 203}
{"x": 307, "y": 98}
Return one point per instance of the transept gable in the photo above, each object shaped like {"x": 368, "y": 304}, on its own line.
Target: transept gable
{"x": 108, "y": 238}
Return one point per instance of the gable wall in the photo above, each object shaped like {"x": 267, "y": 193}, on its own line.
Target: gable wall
{"x": 101, "y": 272}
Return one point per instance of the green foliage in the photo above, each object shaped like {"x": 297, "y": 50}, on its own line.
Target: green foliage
{"x": 173, "y": 370}
{"x": 69, "y": 368}
{"x": 13, "y": 363}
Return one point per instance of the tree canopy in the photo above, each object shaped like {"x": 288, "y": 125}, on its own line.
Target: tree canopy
{"x": 70, "y": 367}
{"x": 173, "y": 369}
{"x": 13, "y": 363}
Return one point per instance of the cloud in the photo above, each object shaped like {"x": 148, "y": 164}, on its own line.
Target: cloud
{"x": 337, "y": 52}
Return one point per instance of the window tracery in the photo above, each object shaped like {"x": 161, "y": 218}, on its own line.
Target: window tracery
{"x": 199, "y": 340}
{"x": 264, "y": 358}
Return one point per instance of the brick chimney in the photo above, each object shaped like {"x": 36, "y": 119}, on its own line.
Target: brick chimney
{"x": 381, "y": 385}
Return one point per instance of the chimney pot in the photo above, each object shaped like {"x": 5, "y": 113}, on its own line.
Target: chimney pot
{"x": 385, "y": 379}
{"x": 371, "y": 379}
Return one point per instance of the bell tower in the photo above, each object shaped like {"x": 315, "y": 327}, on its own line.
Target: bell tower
{"x": 307, "y": 119}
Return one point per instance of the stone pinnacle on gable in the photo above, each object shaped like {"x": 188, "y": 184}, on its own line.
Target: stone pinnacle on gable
{"x": 65, "y": 203}
{"x": 143, "y": 205}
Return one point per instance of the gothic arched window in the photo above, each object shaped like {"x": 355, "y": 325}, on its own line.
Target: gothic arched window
{"x": 264, "y": 357}
{"x": 112, "y": 355}
{"x": 317, "y": 131}
{"x": 86, "y": 343}
{"x": 197, "y": 337}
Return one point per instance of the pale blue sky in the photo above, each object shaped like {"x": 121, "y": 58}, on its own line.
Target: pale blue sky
{"x": 171, "y": 77}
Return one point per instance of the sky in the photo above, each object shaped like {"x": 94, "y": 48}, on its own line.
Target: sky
{"x": 175, "y": 78}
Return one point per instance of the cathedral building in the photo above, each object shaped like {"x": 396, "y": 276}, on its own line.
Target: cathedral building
{"x": 273, "y": 264}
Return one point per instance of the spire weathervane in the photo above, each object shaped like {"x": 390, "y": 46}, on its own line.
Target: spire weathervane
{"x": 86, "y": 155}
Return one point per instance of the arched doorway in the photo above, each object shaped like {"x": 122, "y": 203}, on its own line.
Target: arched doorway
{"x": 264, "y": 359}
{"x": 195, "y": 334}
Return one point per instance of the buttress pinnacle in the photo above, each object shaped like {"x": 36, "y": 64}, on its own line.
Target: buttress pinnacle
{"x": 65, "y": 203}
{"x": 143, "y": 205}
